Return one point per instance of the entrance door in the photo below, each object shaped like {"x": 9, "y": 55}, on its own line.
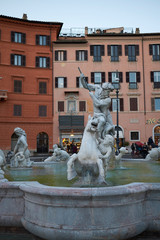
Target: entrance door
{"x": 42, "y": 143}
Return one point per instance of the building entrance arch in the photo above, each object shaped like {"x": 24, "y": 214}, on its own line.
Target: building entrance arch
{"x": 156, "y": 134}
{"x": 14, "y": 139}
{"x": 42, "y": 142}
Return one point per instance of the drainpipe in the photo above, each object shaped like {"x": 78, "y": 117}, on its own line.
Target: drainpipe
{"x": 52, "y": 83}
{"x": 144, "y": 88}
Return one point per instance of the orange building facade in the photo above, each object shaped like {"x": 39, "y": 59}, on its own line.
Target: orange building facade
{"x": 26, "y": 81}
{"x": 40, "y": 90}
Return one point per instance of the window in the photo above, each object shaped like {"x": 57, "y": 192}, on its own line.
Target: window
{"x": 43, "y": 62}
{"x": 133, "y": 104}
{"x": 154, "y": 50}
{"x": 61, "y": 55}
{"x": 81, "y": 55}
{"x": 114, "y": 51}
{"x": 18, "y": 60}
{"x": 78, "y": 82}
{"x": 17, "y": 86}
{"x": 97, "y": 77}
{"x": 133, "y": 78}
{"x": 17, "y": 111}
{"x": 71, "y": 106}
{"x": 155, "y": 78}
{"x": 60, "y": 82}
{"x": 113, "y": 106}
{"x": 18, "y": 37}
{"x": 42, "y": 87}
{"x": 42, "y": 111}
{"x": 131, "y": 51}
{"x": 61, "y": 106}
{"x": 134, "y": 136}
{"x": 112, "y": 76}
{"x": 82, "y": 106}
{"x": 155, "y": 104}
{"x": 97, "y": 51}
{"x": 42, "y": 40}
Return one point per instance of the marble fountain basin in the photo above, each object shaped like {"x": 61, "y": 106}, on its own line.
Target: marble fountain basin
{"x": 52, "y": 212}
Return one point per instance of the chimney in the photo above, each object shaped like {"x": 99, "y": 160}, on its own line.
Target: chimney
{"x": 86, "y": 30}
{"x": 137, "y": 31}
{"x": 24, "y": 16}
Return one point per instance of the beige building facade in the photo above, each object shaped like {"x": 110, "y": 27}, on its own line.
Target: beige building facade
{"x": 103, "y": 56}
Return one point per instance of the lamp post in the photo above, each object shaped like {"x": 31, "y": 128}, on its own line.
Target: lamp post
{"x": 117, "y": 93}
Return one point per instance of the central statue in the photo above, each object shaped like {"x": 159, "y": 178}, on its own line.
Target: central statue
{"x": 97, "y": 147}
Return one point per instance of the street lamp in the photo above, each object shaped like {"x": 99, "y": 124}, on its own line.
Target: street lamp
{"x": 117, "y": 92}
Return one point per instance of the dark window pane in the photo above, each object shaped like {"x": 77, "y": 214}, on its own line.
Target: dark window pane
{"x": 82, "y": 106}
{"x": 134, "y": 136}
{"x": 42, "y": 111}
{"x": 133, "y": 104}
{"x": 42, "y": 87}
{"x": 17, "y": 110}
{"x": 61, "y": 106}
{"x": 17, "y": 86}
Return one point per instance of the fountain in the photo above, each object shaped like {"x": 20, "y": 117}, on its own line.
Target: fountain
{"x": 98, "y": 212}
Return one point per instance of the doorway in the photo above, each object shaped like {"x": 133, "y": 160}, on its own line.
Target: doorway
{"x": 42, "y": 142}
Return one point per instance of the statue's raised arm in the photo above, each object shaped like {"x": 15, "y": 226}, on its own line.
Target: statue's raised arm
{"x": 90, "y": 87}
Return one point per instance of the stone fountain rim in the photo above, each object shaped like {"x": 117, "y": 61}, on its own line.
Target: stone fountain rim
{"x": 40, "y": 189}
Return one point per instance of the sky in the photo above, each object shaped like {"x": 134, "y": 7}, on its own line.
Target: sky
{"x": 142, "y": 14}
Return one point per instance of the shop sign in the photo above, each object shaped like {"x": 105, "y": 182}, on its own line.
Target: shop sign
{"x": 153, "y": 121}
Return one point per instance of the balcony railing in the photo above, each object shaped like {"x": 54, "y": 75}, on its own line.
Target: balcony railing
{"x": 133, "y": 86}
{"x": 71, "y": 122}
{"x": 156, "y": 85}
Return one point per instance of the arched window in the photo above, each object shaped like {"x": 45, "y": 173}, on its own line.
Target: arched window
{"x": 42, "y": 142}
{"x": 14, "y": 139}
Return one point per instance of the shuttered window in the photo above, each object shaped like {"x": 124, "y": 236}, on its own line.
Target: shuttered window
{"x": 42, "y": 62}
{"x": 61, "y": 106}
{"x": 97, "y": 51}
{"x": 114, "y": 51}
{"x": 18, "y": 60}
{"x": 60, "y": 55}
{"x": 81, "y": 55}
{"x": 82, "y": 106}
{"x": 18, "y": 37}
{"x": 98, "y": 77}
{"x": 17, "y": 110}
{"x": 42, "y": 111}
{"x": 131, "y": 51}
{"x": 42, "y": 40}
{"x": 17, "y": 86}
{"x": 60, "y": 82}
{"x": 133, "y": 104}
{"x": 42, "y": 87}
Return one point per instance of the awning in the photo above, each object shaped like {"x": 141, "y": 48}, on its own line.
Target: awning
{"x": 120, "y": 134}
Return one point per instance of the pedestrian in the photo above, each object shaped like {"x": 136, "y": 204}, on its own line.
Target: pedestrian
{"x": 133, "y": 147}
{"x": 144, "y": 150}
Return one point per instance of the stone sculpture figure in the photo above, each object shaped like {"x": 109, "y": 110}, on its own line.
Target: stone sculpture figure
{"x": 2, "y": 163}
{"x": 88, "y": 153}
{"x": 21, "y": 156}
{"x": 58, "y": 155}
{"x": 154, "y": 154}
{"x": 97, "y": 147}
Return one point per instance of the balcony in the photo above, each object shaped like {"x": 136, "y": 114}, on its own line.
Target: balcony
{"x": 3, "y": 95}
{"x": 71, "y": 122}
